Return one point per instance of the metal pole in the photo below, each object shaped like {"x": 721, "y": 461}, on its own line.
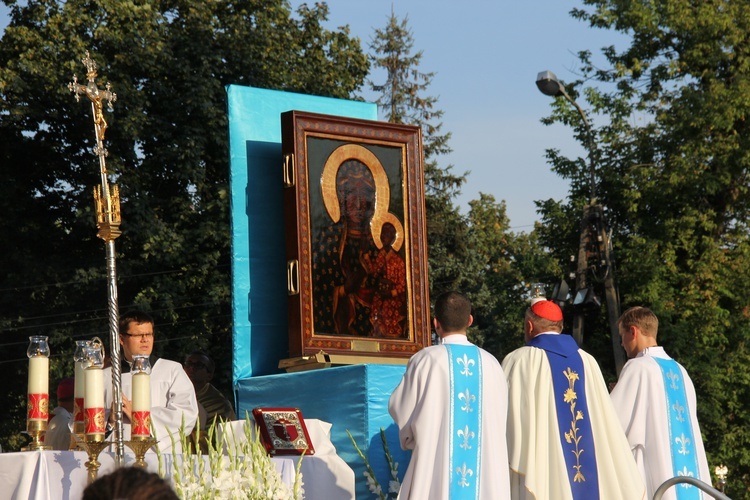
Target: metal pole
{"x": 108, "y": 224}
{"x": 114, "y": 337}
{"x": 581, "y": 269}
{"x": 610, "y": 291}
{"x": 659, "y": 493}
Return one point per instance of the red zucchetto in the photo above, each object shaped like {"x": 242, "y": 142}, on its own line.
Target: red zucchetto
{"x": 547, "y": 309}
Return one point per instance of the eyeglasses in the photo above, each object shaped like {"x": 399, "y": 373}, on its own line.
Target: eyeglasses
{"x": 139, "y": 336}
{"x": 195, "y": 366}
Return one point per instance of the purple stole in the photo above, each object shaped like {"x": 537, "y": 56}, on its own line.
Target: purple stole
{"x": 573, "y": 417}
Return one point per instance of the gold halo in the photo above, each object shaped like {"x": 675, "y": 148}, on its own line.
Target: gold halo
{"x": 381, "y": 214}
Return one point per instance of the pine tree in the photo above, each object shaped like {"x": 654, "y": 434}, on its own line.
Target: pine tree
{"x": 473, "y": 254}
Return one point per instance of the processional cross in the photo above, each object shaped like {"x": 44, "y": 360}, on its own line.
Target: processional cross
{"x": 108, "y": 224}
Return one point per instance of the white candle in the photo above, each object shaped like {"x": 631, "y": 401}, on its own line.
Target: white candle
{"x": 94, "y": 388}
{"x": 38, "y": 389}
{"x": 141, "y": 397}
{"x": 38, "y": 375}
{"x": 93, "y": 401}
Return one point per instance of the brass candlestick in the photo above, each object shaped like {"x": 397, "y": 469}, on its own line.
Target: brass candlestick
{"x": 140, "y": 445}
{"x": 36, "y": 429}
{"x": 93, "y": 446}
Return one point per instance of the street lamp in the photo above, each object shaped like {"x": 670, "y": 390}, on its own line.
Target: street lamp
{"x": 548, "y": 84}
{"x": 592, "y": 231}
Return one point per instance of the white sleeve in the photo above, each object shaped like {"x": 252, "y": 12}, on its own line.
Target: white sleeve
{"x": 176, "y": 401}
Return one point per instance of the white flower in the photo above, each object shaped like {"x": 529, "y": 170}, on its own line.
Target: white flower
{"x": 248, "y": 474}
{"x": 393, "y": 486}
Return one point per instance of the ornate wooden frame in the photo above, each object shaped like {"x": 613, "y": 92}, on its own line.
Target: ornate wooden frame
{"x": 315, "y": 147}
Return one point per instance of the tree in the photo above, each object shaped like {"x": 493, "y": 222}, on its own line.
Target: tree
{"x": 168, "y": 62}
{"x": 476, "y": 254}
{"x": 673, "y": 175}
{"x": 402, "y": 100}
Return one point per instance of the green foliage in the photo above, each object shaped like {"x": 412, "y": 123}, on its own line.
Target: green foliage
{"x": 169, "y": 63}
{"x": 674, "y": 174}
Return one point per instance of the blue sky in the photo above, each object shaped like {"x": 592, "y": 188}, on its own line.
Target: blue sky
{"x": 485, "y": 55}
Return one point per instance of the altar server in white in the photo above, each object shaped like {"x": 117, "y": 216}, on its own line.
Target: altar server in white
{"x": 656, "y": 404}
{"x": 172, "y": 393}
{"x": 564, "y": 441}
{"x": 450, "y": 408}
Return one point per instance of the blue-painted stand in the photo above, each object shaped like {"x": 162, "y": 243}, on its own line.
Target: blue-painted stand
{"x": 353, "y": 398}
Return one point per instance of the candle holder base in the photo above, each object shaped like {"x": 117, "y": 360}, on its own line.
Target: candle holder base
{"x": 140, "y": 446}
{"x": 37, "y": 430}
{"x": 93, "y": 447}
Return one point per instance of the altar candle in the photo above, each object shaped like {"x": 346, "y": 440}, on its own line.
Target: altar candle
{"x": 38, "y": 388}
{"x": 78, "y": 393}
{"x": 93, "y": 401}
{"x": 141, "y": 404}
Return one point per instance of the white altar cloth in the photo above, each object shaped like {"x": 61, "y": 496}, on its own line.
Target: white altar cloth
{"x": 62, "y": 475}
{"x": 50, "y": 475}
{"x": 325, "y": 475}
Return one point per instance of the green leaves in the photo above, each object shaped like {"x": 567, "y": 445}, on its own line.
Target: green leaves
{"x": 674, "y": 177}
{"x": 167, "y": 141}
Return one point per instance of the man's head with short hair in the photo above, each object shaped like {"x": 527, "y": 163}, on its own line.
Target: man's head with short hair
{"x": 638, "y": 327}
{"x": 134, "y": 316}
{"x": 642, "y": 317}
{"x": 136, "y": 334}
{"x": 453, "y": 313}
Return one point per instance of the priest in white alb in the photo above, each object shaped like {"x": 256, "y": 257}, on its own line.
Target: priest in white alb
{"x": 564, "y": 441}
{"x": 172, "y": 396}
{"x": 656, "y": 405}
{"x": 450, "y": 408}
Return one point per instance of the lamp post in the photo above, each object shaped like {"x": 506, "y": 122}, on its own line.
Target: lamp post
{"x": 593, "y": 232}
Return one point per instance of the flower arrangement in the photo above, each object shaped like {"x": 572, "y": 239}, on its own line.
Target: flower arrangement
{"x": 244, "y": 472}
{"x": 394, "y": 485}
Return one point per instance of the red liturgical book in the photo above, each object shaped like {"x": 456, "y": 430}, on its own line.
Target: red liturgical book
{"x": 283, "y": 431}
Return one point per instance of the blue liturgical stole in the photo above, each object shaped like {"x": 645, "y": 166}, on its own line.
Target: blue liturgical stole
{"x": 466, "y": 420}
{"x": 573, "y": 416}
{"x": 681, "y": 437}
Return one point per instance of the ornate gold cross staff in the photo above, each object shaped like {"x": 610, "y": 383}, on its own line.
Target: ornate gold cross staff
{"x": 108, "y": 224}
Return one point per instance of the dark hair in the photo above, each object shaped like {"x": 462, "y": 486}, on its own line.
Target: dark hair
{"x": 130, "y": 483}
{"x": 135, "y": 316}
{"x": 452, "y": 310}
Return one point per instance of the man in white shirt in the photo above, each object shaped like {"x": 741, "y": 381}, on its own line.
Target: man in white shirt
{"x": 450, "y": 408}
{"x": 172, "y": 395}
{"x": 564, "y": 442}
{"x": 656, "y": 405}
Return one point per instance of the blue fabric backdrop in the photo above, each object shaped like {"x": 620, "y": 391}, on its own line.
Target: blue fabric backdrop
{"x": 259, "y": 297}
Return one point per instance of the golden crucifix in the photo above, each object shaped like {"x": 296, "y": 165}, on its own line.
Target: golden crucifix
{"x": 108, "y": 224}
{"x": 107, "y": 202}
